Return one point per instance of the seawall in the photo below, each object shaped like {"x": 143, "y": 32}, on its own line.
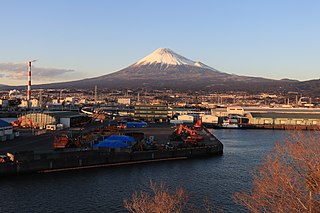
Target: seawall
{"x": 60, "y": 161}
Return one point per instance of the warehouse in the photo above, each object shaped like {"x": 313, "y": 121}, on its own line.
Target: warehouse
{"x": 42, "y": 119}
{"x": 272, "y": 118}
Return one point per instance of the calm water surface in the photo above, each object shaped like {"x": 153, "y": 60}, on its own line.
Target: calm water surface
{"x": 103, "y": 189}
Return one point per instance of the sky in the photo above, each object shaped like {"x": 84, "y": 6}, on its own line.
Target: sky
{"x": 78, "y": 39}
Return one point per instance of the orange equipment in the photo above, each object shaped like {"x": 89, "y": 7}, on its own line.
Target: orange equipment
{"x": 16, "y": 123}
{"x": 24, "y": 122}
{"x": 193, "y": 134}
{"x": 198, "y": 125}
{"x": 67, "y": 140}
{"x": 121, "y": 126}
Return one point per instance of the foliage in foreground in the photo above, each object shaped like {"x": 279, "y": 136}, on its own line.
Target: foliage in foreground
{"x": 161, "y": 200}
{"x": 289, "y": 178}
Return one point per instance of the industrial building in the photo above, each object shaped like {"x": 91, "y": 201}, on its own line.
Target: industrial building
{"x": 293, "y": 119}
{"x": 245, "y": 110}
{"x": 151, "y": 112}
{"x": 6, "y": 131}
{"x": 33, "y": 103}
{"x": 124, "y": 101}
{"x": 42, "y": 119}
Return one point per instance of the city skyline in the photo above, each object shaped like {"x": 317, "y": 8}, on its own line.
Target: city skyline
{"x": 80, "y": 39}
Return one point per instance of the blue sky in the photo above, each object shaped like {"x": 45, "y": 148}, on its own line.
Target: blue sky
{"x": 75, "y": 39}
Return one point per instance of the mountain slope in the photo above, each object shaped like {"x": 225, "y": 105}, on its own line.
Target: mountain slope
{"x": 164, "y": 68}
{"x": 164, "y": 64}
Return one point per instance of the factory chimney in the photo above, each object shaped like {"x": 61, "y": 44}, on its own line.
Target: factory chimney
{"x": 29, "y": 80}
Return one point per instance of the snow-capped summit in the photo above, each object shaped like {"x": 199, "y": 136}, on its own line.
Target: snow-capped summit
{"x": 202, "y": 65}
{"x": 166, "y": 56}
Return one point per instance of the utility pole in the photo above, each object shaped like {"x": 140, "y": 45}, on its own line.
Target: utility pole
{"x": 95, "y": 94}
{"x": 60, "y": 96}
{"x": 40, "y": 100}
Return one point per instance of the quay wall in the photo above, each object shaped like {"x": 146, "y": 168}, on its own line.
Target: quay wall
{"x": 275, "y": 126}
{"x": 282, "y": 126}
{"x": 56, "y": 161}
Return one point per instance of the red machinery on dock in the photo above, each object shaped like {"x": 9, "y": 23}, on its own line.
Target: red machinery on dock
{"x": 189, "y": 134}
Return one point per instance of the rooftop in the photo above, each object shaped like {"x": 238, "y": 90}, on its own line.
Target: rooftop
{"x": 4, "y": 124}
{"x": 285, "y": 115}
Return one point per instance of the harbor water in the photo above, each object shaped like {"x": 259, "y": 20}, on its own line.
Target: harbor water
{"x": 104, "y": 189}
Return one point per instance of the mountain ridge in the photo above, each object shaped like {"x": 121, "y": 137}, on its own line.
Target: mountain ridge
{"x": 164, "y": 68}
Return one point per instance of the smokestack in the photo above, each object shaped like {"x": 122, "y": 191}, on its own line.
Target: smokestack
{"x": 29, "y": 82}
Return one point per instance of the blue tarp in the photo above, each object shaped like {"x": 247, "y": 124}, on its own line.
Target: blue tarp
{"x": 111, "y": 144}
{"x": 136, "y": 124}
{"x": 123, "y": 138}
{"x": 116, "y": 141}
{"x": 4, "y": 124}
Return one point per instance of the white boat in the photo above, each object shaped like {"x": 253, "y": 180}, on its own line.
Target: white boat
{"x": 229, "y": 125}
{"x": 230, "y": 122}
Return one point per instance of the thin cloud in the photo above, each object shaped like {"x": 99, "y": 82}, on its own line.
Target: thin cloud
{"x": 18, "y": 71}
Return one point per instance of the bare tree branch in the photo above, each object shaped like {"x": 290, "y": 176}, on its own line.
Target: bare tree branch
{"x": 289, "y": 178}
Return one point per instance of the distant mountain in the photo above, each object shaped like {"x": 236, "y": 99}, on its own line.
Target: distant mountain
{"x": 164, "y": 65}
{"x": 3, "y": 85}
{"x": 164, "y": 68}
{"x": 311, "y": 87}
{"x": 289, "y": 80}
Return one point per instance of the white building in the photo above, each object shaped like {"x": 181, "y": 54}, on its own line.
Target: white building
{"x": 186, "y": 118}
{"x": 235, "y": 110}
{"x": 83, "y": 101}
{"x": 209, "y": 119}
{"x": 34, "y": 103}
{"x": 70, "y": 100}
{"x": 24, "y": 104}
{"x": 124, "y": 101}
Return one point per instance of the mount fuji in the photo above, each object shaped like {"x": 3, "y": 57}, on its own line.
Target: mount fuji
{"x": 164, "y": 68}
{"x": 167, "y": 57}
